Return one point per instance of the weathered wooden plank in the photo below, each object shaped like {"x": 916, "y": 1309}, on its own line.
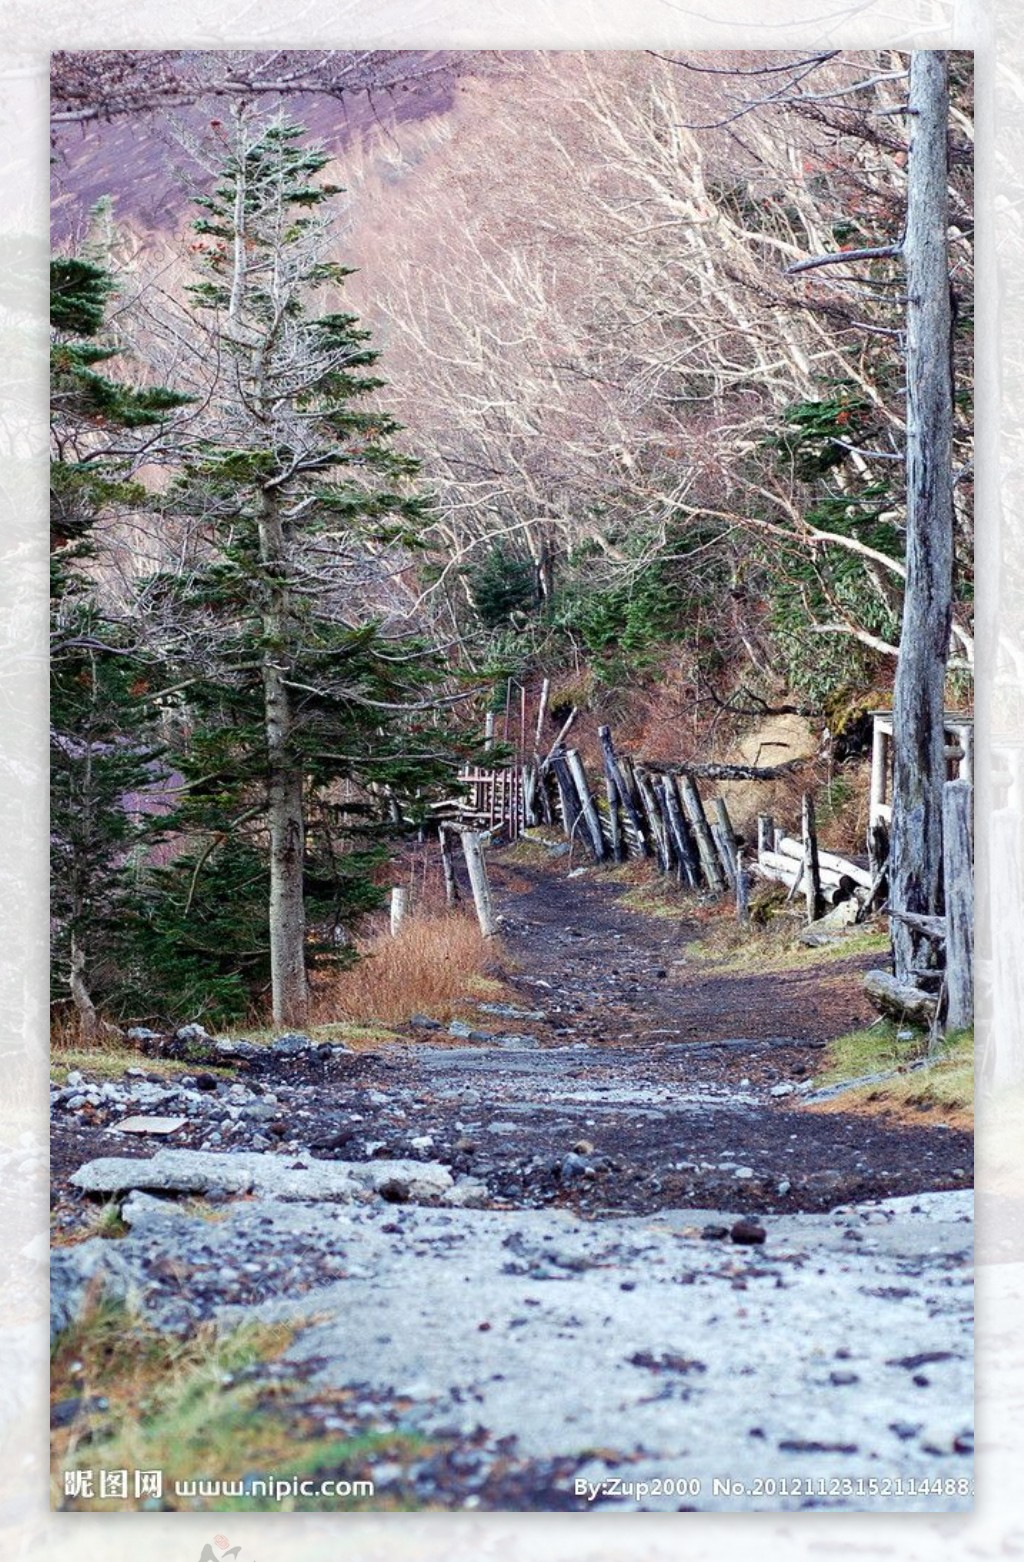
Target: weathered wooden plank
{"x": 655, "y": 822}
{"x": 590, "y": 815}
{"x": 688, "y": 861}
{"x": 702, "y": 833}
{"x": 615, "y": 771}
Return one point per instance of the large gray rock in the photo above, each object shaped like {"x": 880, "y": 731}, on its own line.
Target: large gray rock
{"x": 93, "y": 1265}
{"x": 265, "y": 1175}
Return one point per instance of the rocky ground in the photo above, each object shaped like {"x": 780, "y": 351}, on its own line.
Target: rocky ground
{"x": 593, "y": 1234}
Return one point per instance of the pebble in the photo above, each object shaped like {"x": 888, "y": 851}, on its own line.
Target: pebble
{"x": 748, "y": 1233}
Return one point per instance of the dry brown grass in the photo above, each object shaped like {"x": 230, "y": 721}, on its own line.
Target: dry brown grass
{"x": 68, "y": 1035}
{"x": 435, "y": 965}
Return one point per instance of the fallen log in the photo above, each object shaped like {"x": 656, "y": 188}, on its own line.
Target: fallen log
{"x": 722, "y": 772}
{"x": 830, "y": 862}
{"x": 898, "y": 1000}
{"x": 929, "y": 927}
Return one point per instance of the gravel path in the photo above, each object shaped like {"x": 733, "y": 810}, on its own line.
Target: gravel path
{"x": 601, "y": 1240}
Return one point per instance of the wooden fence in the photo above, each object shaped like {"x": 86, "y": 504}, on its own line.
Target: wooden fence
{"x": 640, "y": 810}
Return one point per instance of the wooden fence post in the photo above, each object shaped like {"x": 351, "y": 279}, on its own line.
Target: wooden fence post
{"x": 725, "y": 837}
{"x": 473, "y": 853}
{"x": 958, "y": 876}
{"x": 658, "y": 831}
{"x": 399, "y": 908}
{"x": 742, "y": 889}
{"x": 590, "y": 814}
{"x": 689, "y": 866}
{"x": 451, "y": 889}
{"x": 618, "y": 781}
{"x": 702, "y": 833}
{"x": 614, "y": 828}
{"x": 812, "y": 870}
{"x": 567, "y": 793}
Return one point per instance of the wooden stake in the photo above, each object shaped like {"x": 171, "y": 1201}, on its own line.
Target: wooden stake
{"x": 688, "y": 863}
{"x": 590, "y": 814}
{"x": 725, "y": 835}
{"x": 477, "y": 869}
{"x": 545, "y": 690}
{"x": 451, "y": 888}
{"x": 399, "y": 908}
{"x": 655, "y": 821}
{"x": 619, "y": 783}
{"x": 742, "y": 889}
{"x": 614, "y": 828}
{"x": 702, "y": 833}
{"x": 812, "y": 872}
{"x": 567, "y": 793}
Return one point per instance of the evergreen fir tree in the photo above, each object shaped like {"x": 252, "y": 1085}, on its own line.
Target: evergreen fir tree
{"x": 99, "y": 755}
{"x": 299, "y": 501}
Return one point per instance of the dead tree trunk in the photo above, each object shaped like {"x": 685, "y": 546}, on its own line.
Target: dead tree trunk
{"x": 915, "y": 869}
{"x": 87, "y": 1018}
{"x": 812, "y": 867}
{"x": 285, "y": 803}
{"x": 959, "y": 884}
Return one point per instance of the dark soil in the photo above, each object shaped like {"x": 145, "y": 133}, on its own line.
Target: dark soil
{"x": 646, "y": 1085}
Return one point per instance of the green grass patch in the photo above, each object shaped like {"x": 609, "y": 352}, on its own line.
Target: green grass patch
{"x": 103, "y": 1220}
{"x": 872, "y": 1051}
{"x": 212, "y": 1407}
{"x": 109, "y": 1062}
{"x": 943, "y": 1086}
{"x": 777, "y": 947}
{"x": 333, "y": 1032}
{"x": 657, "y": 899}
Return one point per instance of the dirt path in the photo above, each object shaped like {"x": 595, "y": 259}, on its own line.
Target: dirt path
{"x": 583, "y": 1301}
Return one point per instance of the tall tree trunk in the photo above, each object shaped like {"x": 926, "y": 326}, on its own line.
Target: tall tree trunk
{"x": 918, "y": 740}
{"x": 285, "y": 816}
